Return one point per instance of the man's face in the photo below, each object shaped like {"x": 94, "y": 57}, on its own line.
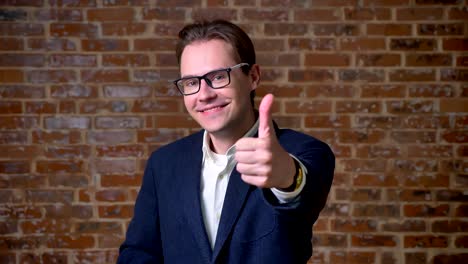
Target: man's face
{"x": 226, "y": 111}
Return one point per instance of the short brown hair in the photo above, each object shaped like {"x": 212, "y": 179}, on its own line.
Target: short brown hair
{"x": 223, "y": 30}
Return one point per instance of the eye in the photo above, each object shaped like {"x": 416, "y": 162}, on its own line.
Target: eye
{"x": 190, "y": 82}
{"x": 218, "y": 76}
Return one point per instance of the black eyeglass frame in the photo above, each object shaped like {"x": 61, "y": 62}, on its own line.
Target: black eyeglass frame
{"x": 208, "y": 81}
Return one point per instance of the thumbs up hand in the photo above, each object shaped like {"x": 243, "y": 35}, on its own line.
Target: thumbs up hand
{"x": 262, "y": 161}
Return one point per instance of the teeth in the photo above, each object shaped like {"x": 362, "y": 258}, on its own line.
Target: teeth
{"x": 212, "y": 109}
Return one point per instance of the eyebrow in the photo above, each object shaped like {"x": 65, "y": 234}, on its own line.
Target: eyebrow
{"x": 191, "y": 75}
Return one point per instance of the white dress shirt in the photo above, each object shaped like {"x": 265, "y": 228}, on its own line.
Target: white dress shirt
{"x": 216, "y": 170}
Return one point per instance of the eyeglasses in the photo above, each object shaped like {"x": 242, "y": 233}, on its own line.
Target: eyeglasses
{"x": 215, "y": 79}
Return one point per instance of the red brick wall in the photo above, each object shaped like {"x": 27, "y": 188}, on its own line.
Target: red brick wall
{"x": 84, "y": 99}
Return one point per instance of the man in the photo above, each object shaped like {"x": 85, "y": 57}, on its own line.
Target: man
{"x": 239, "y": 191}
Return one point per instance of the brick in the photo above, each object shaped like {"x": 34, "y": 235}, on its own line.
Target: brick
{"x": 73, "y": 30}
{"x": 431, "y": 90}
{"x": 408, "y": 44}
{"x": 125, "y": 60}
{"x": 99, "y": 227}
{"x": 13, "y": 15}
{"x": 55, "y": 14}
{"x": 104, "y": 45}
{"x": 123, "y": 28}
{"x": 383, "y": 91}
{"x": 174, "y": 121}
{"x": 452, "y": 29}
{"x": 13, "y": 137}
{"x": 422, "y": 122}
{"x": 388, "y": 29}
{"x": 110, "y": 137}
{"x": 319, "y": 121}
{"x": 114, "y": 166}
{"x": 456, "y": 75}
{"x": 378, "y": 60}
{"x": 100, "y": 76}
{"x": 457, "y": 13}
{"x": 111, "y": 14}
{"x": 67, "y": 122}
{"x": 72, "y": 60}
{"x": 120, "y": 180}
{"x": 67, "y": 152}
{"x": 51, "y": 76}
{"x": 21, "y": 29}
{"x": 273, "y": 45}
{"x": 455, "y": 44}
{"x": 151, "y": 106}
{"x": 11, "y": 76}
{"x": 329, "y": 91}
{"x": 352, "y": 257}
{"x": 163, "y": 13}
{"x": 379, "y": 151}
{"x": 462, "y": 61}
{"x": 425, "y": 210}
{"x": 18, "y": 122}
{"x": 56, "y": 137}
{"x": 370, "y": 137}
{"x": 40, "y": 107}
{"x": 73, "y": 181}
{"x": 451, "y": 195}
{"x": 23, "y": 243}
{"x": 380, "y": 180}
{"x": 308, "y": 44}
{"x": 22, "y": 60}
{"x": 61, "y": 210}
{"x": 427, "y": 241}
{"x": 126, "y": 3}
{"x": 308, "y": 107}
{"x": 11, "y": 44}
{"x": 410, "y": 195}
{"x": 410, "y": 107}
{"x": 457, "y": 136}
{"x": 288, "y": 3}
{"x": 271, "y": 59}
{"x": 358, "y": 107}
{"x": 449, "y": 226}
{"x": 329, "y": 60}
{"x": 120, "y": 151}
{"x": 317, "y": 15}
{"x": 419, "y": 137}
{"x": 359, "y": 225}
{"x": 40, "y": 44}
{"x": 73, "y": 3}
{"x": 94, "y": 107}
{"x": 213, "y": 13}
{"x": 405, "y": 226}
{"x": 71, "y": 242}
{"x": 357, "y": 44}
{"x": 18, "y": 152}
{"x": 11, "y": 107}
{"x": 111, "y": 195}
{"x": 116, "y": 122}
{"x": 371, "y": 210}
{"x": 310, "y": 75}
{"x": 53, "y": 226}
{"x": 336, "y": 29}
{"x": 285, "y": 29}
{"x": 348, "y": 75}
{"x": 417, "y": 75}
{"x": 115, "y": 211}
{"x": 154, "y": 44}
{"x": 430, "y": 2}
{"x": 20, "y": 211}
{"x": 264, "y": 15}
{"x": 374, "y": 240}
{"x": 416, "y": 257}
{"x": 355, "y": 165}
{"x": 419, "y": 13}
{"x": 73, "y": 91}
{"x": 450, "y": 258}
{"x": 362, "y": 14}
{"x": 45, "y": 166}
{"x": 330, "y": 240}
{"x": 453, "y": 105}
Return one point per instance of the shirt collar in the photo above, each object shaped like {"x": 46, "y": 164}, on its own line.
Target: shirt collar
{"x": 230, "y": 152}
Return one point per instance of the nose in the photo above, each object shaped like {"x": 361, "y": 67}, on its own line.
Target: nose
{"x": 206, "y": 92}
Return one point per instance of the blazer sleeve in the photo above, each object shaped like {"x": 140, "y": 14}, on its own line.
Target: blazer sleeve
{"x": 143, "y": 239}
{"x": 319, "y": 161}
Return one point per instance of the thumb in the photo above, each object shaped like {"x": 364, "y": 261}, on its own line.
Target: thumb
{"x": 265, "y": 126}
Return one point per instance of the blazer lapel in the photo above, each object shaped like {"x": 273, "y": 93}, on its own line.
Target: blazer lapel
{"x": 236, "y": 195}
{"x": 191, "y": 171}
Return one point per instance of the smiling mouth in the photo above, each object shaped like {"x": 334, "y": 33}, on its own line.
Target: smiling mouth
{"x": 212, "y": 109}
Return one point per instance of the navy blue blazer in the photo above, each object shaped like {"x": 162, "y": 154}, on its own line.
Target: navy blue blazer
{"x": 167, "y": 226}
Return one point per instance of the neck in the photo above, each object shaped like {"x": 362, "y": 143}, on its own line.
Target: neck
{"x": 221, "y": 141}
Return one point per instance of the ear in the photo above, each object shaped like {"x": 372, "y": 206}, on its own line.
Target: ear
{"x": 254, "y": 75}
